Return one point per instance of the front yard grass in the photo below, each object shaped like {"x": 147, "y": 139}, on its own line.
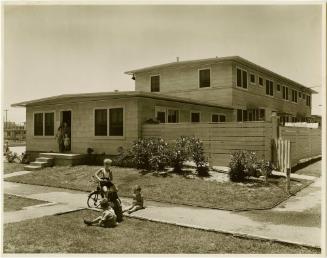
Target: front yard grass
{"x": 171, "y": 189}
{"x": 67, "y": 234}
{"x": 15, "y": 203}
{"x": 12, "y": 167}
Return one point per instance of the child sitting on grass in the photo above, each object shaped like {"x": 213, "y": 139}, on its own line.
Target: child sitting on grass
{"x": 108, "y": 218}
{"x": 137, "y": 200}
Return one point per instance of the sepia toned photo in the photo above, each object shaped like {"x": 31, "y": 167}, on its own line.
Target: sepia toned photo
{"x": 163, "y": 128}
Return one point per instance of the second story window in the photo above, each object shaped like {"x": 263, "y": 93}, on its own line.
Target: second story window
{"x": 294, "y": 96}
{"x": 155, "y": 83}
{"x": 269, "y": 88}
{"x": 308, "y": 100}
{"x": 285, "y": 93}
{"x": 204, "y": 78}
{"x": 242, "y": 78}
{"x": 252, "y": 78}
{"x": 260, "y": 81}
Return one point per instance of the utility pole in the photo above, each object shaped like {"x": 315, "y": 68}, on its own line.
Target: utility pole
{"x": 6, "y": 110}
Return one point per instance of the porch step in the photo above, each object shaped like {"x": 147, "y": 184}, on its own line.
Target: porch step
{"x": 44, "y": 159}
{"x": 32, "y": 167}
{"x": 41, "y": 164}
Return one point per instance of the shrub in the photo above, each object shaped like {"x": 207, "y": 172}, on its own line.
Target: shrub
{"x": 179, "y": 153}
{"x": 243, "y": 164}
{"x": 150, "y": 153}
{"x": 197, "y": 154}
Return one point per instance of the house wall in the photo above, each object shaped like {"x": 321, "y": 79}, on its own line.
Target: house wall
{"x": 255, "y": 95}
{"x": 137, "y": 110}
{"x": 184, "y": 82}
{"x": 82, "y": 127}
{"x": 147, "y": 110}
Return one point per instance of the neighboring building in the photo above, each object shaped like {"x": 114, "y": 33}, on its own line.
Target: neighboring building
{"x": 253, "y": 91}
{"x": 14, "y": 131}
{"x": 209, "y": 90}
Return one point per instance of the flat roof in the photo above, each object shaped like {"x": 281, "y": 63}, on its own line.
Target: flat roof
{"x": 217, "y": 60}
{"x": 119, "y": 94}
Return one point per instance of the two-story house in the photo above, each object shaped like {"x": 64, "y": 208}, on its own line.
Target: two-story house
{"x": 214, "y": 90}
{"x": 252, "y": 91}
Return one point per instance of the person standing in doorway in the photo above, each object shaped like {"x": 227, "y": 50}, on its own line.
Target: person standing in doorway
{"x": 66, "y": 133}
{"x": 60, "y": 138}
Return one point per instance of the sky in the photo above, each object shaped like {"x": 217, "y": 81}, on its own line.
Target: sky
{"x": 53, "y": 50}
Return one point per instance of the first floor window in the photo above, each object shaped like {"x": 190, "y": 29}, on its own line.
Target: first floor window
{"x": 101, "y": 122}
{"x": 239, "y": 115}
{"x": 216, "y": 118}
{"x": 195, "y": 117}
{"x": 109, "y": 122}
{"x": 278, "y": 87}
{"x": 204, "y": 78}
{"x": 300, "y": 94}
{"x": 38, "y": 124}
{"x": 49, "y": 124}
{"x": 44, "y": 124}
{"x": 116, "y": 122}
{"x": 173, "y": 116}
{"x": 161, "y": 116}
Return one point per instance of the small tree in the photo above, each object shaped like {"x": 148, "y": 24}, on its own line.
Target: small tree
{"x": 179, "y": 153}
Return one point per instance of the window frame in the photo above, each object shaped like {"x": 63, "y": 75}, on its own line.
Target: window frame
{"x": 43, "y": 124}
{"x": 263, "y": 81}
{"x": 195, "y": 112}
{"x": 210, "y": 74}
{"x": 271, "y": 83}
{"x": 154, "y": 75}
{"x": 118, "y": 137}
{"x": 218, "y": 114}
{"x": 178, "y": 115}
{"x": 294, "y": 93}
{"x": 255, "y": 79}
{"x": 247, "y": 78}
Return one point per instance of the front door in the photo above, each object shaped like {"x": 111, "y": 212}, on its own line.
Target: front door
{"x": 66, "y": 122}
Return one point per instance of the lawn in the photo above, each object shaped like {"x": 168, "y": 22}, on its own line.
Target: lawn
{"x": 67, "y": 234}
{"x": 12, "y": 167}
{"x": 171, "y": 189}
{"x": 15, "y": 203}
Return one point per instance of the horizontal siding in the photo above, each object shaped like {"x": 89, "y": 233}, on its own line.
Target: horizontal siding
{"x": 305, "y": 142}
{"x": 220, "y": 140}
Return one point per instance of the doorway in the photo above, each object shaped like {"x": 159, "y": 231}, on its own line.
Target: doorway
{"x": 66, "y": 118}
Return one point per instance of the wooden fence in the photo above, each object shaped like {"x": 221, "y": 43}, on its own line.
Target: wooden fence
{"x": 220, "y": 139}
{"x": 305, "y": 142}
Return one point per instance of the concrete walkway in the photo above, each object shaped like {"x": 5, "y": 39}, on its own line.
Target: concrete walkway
{"x": 272, "y": 224}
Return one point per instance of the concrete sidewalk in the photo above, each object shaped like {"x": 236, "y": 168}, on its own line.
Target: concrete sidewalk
{"x": 257, "y": 225}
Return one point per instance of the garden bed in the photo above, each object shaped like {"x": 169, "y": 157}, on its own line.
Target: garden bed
{"x": 252, "y": 194}
{"x": 68, "y": 234}
{"x": 12, "y": 167}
